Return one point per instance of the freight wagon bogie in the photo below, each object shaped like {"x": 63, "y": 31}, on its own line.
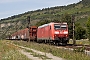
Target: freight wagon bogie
{"x": 62, "y": 41}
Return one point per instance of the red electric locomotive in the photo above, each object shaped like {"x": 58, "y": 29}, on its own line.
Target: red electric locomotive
{"x": 53, "y": 32}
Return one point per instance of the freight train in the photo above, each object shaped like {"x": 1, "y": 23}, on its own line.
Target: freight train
{"x": 52, "y": 32}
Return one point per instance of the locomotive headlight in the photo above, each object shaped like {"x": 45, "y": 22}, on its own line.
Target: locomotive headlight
{"x": 56, "y": 32}
{"x": 65, "y": 32}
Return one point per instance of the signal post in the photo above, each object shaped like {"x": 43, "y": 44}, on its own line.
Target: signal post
{"x": 73, "y": 23}
{"x": 28, "y": 21}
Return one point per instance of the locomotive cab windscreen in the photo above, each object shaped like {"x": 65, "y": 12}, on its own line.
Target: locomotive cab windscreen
{"x": 60, "y": 26}
{"x": 63, "y": 26}
{"x": 56, "y": 26}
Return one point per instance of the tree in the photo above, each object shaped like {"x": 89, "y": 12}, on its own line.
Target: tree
{"x": 42, "y": 22}
{"x": 67, "y": 18}
{"x": 80, "y": 32}
{"x": 88, "y": 28}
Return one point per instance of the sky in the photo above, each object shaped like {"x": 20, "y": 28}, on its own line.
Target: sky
{"x": 14, "y": 7}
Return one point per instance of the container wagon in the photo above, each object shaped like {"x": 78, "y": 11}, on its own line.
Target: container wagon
{"x": 25, "y": 34}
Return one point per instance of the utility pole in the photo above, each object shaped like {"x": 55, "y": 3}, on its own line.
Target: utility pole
{"x": 0, "y": 31}
{"x": 28, "y": 21}
{"x": 73, "y": 23}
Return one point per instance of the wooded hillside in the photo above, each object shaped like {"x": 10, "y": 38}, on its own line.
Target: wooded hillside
{"x": 81, "y": 10}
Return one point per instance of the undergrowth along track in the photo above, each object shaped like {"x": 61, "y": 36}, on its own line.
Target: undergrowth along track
{"x": 55, "y": 50}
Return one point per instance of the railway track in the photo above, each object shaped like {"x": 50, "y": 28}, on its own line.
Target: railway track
{"x": 77, "y": 48}
{"x": 85, "y": 47}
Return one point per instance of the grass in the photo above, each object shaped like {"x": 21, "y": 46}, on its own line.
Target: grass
{"x": 67, "y": 54}
{"x": 10, "y": 52}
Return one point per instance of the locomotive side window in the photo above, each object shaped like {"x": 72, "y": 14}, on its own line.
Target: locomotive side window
{"x": 50, "y": 27}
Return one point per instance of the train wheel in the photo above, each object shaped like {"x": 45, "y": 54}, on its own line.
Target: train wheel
{"x": 56, "y": 43}
{"x": 45, "y": 41}
{"x": 65, "y": 43}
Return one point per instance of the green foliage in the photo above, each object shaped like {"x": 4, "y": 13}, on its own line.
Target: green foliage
{"x": 10, "y": 52}
{"x": 85, "y": 2}
{"x": 88, "y": 28}
{"x": 80, "y": 32}
{"x": 42, "y": 22}
{"x": 66, "y": 18}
